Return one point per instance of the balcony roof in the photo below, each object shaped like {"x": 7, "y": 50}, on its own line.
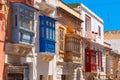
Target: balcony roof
{"x": 20, "y": 1}
{"x": 70, "y": 10}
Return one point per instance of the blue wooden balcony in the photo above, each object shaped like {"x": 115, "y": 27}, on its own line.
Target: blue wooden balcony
{"x": 47, "y": 35}
{"x": 22, "y": 23}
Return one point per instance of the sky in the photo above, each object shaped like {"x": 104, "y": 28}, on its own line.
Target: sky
{"x": 108, "y": 10}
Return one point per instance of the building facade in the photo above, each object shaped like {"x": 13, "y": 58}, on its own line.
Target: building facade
{"x": 49, "y": 40}
{"x": 54, "y": 35}
{"x": 45, "y": 39}
{"x": 2, "y": 38}
{"x": 93, "y": 48}
{"x": 68, "y": 36}
{"x": 20, "y": 62}
{"x": 113, "y": 58}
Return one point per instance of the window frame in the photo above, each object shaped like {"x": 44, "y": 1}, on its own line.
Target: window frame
{"x": 28, "y": 17}
{"x": 61, "y": 38}
{"x": 99, "y": 30}
{"x": 87, "y": 22}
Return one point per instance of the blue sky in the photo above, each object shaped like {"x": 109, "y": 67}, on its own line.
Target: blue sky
{"x": 108, "y": 10}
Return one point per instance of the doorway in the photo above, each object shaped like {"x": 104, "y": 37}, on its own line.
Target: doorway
{"x": 15, "y": 76}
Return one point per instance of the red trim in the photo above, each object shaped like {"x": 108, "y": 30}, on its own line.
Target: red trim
{"x": 1, "y": 14}
{"x": 90, "y": 60}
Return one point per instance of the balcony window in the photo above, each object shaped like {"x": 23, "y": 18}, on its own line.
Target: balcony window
{"x": 31, "y": 14}
{"x": 51, "y": 34}
{"x": 47, "y": 33}
{"x": 21, "y": 10}
{"x": 26, "y": 19}
{"x": 26, "y": 12}
{"x": 31, "y": 24}
{"x": 42, "y": 32}
{"x": 72, "y": 44}
{"x": 21, "y": 20}
{"x": 93, "y": 58}
{"x": 27, "y": 22}
{"x": 15, "y": 10}
{"x": 61, "y": 38}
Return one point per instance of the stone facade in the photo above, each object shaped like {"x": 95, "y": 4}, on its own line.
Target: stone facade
{"x": 68, "y": 26}
{"x": 2, "y": 38}
{"x": 53, "y": 42}
{"x": 19, "y": 58}
{"x": 113, "y": 58}
{"x": 93, "y": 42}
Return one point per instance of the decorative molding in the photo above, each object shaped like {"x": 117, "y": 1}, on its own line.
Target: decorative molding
{"x": 18, "y": 49}
{"x": 46, "y": 56}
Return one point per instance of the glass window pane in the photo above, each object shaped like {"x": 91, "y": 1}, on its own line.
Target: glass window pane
{"x": 21, "y": 10}
{"x": 42, "y": 31}
{"x": 47, "y": 33}
{"x": 31, "y": 24}
{"x": 61, "y": 34}
{"x": 31, "y": 14}
{"x": 53, "y": 25}
{"x": 42, "y": 22}
{"x": 53, "y": 34}
{"x": 21, "y": 20}
{"x": 15, "y": 9}
{"x": 26, "y": 12}
{"x": 50, "y": 24}
{"x": 50, "y": 34}
{"x": 46, "y": 22}
{"x": 27, "y": 22}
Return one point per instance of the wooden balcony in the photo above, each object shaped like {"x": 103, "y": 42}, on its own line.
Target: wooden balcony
{"x": 18, "y": 49}
{"x": 72, "y": 48}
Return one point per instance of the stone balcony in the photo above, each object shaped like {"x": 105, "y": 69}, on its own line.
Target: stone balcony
{"x": 44, "y": 56}
{"x": 18, "y": 49}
